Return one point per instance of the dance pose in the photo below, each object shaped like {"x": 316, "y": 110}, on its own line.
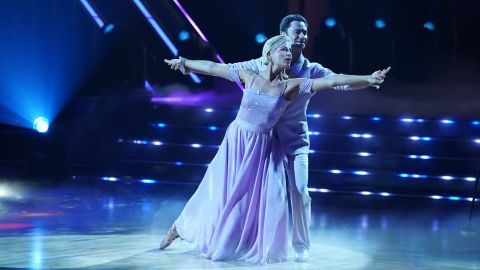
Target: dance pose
{"x": 239, "y": 210}
{"x": 292, "y": 128}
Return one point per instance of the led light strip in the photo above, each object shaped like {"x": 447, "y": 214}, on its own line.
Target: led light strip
{"x": 92, "y": 13}
{"x": 162, "y": 34}
{"x": 199, "y": 32}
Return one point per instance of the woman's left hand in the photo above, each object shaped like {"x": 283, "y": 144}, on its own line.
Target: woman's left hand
{"x": 377, "y": 78}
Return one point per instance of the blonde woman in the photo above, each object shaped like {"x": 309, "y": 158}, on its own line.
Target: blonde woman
{"x": 239, "y": 211}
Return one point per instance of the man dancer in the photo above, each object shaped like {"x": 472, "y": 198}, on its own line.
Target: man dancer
{"x": 292, "y": 130}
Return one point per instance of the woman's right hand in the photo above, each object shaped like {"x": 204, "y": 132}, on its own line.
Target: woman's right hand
{"x": 176, "y": 64}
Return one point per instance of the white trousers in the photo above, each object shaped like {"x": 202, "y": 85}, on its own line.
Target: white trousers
{"x": 297, "y": 174}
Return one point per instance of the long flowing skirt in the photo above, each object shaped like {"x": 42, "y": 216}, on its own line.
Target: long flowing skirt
{"x": 239, "y": 211}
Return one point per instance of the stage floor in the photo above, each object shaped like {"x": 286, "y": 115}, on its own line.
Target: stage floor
{"x": 82, "y": 224}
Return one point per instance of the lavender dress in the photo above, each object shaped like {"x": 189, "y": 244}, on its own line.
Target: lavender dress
{"x": 239, "y": 211}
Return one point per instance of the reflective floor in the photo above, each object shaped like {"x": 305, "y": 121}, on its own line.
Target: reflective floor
{"x": 112, "y": 225}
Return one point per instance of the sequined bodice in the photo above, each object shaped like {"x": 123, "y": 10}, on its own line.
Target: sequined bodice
{"x": 259, "y": 110}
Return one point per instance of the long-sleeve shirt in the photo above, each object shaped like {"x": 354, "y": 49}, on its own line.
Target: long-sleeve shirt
{"x": 292, "y": 128}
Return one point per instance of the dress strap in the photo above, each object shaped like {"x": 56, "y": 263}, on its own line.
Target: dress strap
{"x": 253, "y": 80}
{"x": 284, "y": 89}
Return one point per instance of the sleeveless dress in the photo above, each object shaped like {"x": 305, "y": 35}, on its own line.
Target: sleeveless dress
{"x": 239, "y": 210}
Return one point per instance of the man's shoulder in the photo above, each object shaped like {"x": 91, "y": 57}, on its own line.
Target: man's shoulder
{"x": 309, "y": 64}
{"x": 314, "y": 69}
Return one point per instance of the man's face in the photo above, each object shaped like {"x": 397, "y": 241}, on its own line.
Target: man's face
{"x": 297, "y": 31}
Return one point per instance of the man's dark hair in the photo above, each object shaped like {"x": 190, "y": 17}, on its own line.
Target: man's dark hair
{"x": 285, "y": 23}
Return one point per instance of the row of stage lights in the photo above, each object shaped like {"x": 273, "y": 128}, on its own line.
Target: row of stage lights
{"x": 379, "y": 23}
{"x": 402, "y": 175}
{"x": 377, "y": 118}
{"x": 315, "y": 190}
{"x": 330, "y": 22}
{"x": 317, "y": 133}
{"x": 361, "y": 154}
{"x": 404, "y": 120}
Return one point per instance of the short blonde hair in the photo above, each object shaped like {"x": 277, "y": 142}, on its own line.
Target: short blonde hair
{"x": 271, "y": 44}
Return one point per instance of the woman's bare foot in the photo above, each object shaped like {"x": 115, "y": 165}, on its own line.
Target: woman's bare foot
{"x": 169, "y": 237}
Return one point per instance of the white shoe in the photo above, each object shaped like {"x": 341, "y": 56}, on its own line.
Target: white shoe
{"x": 301, "y": 256}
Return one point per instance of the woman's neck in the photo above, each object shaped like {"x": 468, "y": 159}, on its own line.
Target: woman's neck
{"x": 272, "y": 72}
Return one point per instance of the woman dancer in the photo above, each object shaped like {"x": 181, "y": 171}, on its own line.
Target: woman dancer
{"x": 239, "y": 211}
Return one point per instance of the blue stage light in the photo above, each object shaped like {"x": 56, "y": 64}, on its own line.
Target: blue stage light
{"x": 475, "y": 123}
{"x": 454, "y": 198}
{"x": 436, "y": 197}
{"x": 41, "y": 124}
{"x": 183, "y": 35}
{"x": 385, "y": 194}
{"x": 429, "y": 25}
{"x": 162, "y": 125}
{"x": 361, "y": 173}
{"x": 366, "y": 193}
{"x": 380, "y": 24}
{"x": 330, "y": 22}
{"x": 447, "y": 121}
{"x": 179, "y": 163}
{"x": 195, "y": 145}
{"x": 107, "y": 28}
{"x": 109, "y": 178}
{"x": 260, "y": 38}
{"x": 376, "y": 118}
{"x": 335, "y": 171}
{"x": 148, "y": 181}
{"x": 404, "y": 175}
{"x": 212, "y": 128}
{"x": 346, "y": 117}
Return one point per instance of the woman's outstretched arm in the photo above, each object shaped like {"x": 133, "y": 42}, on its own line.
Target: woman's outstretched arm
{"x": 210, "y": 68}
{"x": 199, "y": 66}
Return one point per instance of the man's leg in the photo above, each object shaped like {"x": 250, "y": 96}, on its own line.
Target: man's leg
{"x": 297, "y": 171}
